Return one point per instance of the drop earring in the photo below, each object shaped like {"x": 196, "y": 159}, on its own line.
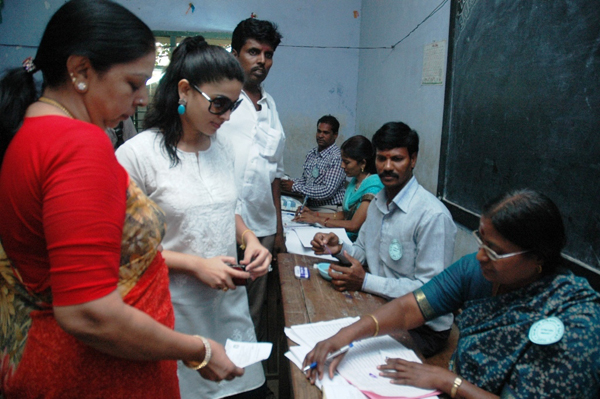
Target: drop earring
{"x": 181, "y": 108}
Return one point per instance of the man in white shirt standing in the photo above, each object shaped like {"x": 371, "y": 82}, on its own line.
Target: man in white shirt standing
{"x": 406, "y": 240}
{"x": 258, "y": 140}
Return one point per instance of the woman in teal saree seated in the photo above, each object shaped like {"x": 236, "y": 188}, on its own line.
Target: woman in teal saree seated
{"x": 528, "y": 329}
{"x": 358, "y": 161}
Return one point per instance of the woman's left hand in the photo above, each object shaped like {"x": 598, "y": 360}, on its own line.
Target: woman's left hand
{"x": 257, "y": 259}
{"x": 419, "y": 375}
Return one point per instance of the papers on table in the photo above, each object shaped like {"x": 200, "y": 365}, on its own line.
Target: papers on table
{"x": 308, "y": 335}
{"x": 298, "y": 238}
{"x": 287, "y": 220}
{"x": 341, "y": 391}
{"x": 359, "y": 366}
{"x": 299, "y": 234}
{"x": 244, "y": 354}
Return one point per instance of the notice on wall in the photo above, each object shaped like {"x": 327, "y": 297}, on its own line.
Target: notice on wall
{"x": 434, "y": 61}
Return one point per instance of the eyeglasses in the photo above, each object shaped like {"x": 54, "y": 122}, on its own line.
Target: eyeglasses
{"x": 490, "y": 252}
{"x": 220, "y": 104}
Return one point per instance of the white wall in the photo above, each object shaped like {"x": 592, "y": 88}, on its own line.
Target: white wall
{"x": 389, "y": 81}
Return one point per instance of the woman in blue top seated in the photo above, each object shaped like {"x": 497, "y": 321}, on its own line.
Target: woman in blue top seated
{"x": 358, "y": 161}
{"x": 528, "y": 329}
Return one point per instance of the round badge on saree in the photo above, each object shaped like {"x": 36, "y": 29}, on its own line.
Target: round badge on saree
{"x": 547, "y": 331}
{"x": 315, "y": 172}
{"x": 395, "y": 250}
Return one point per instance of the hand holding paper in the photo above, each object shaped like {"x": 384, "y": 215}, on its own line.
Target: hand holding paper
{"x": 244, "y": 354}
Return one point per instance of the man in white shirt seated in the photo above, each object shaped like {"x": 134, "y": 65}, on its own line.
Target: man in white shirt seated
{"x": 406, "y": 240}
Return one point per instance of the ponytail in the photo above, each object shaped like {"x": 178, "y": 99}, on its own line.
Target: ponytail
{"x": 17, "y": 92}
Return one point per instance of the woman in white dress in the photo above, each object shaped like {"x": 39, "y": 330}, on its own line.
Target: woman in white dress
{"x": 181, "y": 166}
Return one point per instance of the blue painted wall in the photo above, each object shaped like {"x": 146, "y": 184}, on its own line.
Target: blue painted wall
{"x": 306, "y": 82}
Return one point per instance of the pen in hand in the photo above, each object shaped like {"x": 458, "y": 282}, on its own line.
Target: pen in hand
{"x": 330, "y": 356}
{"x": 303, "y": 204}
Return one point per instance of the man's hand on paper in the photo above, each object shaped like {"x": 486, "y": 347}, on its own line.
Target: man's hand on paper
{"x": 326, "y": 244}
{"x": 348, "y": 278}
{"x": 419, "y": 375}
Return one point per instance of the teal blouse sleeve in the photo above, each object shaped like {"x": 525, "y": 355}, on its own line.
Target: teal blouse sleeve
{"x": 445, "y": 293}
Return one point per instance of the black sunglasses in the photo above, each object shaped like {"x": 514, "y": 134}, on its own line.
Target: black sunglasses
{"x": 220, "y": 104}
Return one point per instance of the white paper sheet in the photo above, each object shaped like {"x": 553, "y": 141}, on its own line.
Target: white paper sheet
{"x": 312, "y": 333}
{"x": 359, "y": 366}
{"x": 294, "y": 246}
{"x": 306, "y": 234}
{"x": 337, "y": 391}
{"x": 244, "y": 354}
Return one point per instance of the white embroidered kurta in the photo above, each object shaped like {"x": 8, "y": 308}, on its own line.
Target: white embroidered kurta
{"x": 199, "y": 199}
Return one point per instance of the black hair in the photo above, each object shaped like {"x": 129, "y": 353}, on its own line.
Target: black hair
{"x": 103, "y": 31}
{"x": 359, "y": 148}
{"x": 396, "y": 135}
{"x": 531, "y": 221}
{"x": 252, "y": 28}
{"x": 199, "y": 63}
{"x": 331, "y": 121}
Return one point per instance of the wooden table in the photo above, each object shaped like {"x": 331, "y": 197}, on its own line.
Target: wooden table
{"x": 313, "y": 300}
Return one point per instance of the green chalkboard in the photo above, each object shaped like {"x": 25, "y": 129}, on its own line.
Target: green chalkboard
{"x": 522, "y": 109}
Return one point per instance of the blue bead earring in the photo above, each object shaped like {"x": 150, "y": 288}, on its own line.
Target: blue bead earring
{"x": 181, "y": 107}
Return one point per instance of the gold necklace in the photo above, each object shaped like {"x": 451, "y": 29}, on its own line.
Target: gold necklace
{"x": 56, "y": 104}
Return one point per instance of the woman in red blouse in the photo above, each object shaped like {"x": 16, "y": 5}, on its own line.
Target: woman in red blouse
{"x": 85, "y": 309}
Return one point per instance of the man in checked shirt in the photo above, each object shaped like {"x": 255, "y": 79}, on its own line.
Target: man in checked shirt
{"x": 323, "y": 179}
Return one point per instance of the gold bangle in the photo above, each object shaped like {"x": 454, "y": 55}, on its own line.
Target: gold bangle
{"x": 207, "y": 355}
{"x": 243, "y": 246}
{"x": 455, "y": 386}
{"x": 376, "y": 324}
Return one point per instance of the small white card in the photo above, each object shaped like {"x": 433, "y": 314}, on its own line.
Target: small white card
{"x": 244, "y": 354}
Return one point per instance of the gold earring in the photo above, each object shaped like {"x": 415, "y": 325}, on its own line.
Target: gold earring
{"x": 539, "y": 269}
{"x": 362, "y": 170}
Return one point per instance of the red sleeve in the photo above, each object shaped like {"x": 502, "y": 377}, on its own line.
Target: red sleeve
{"x": 63, "y": 208}
{"x": 84, "y": 199}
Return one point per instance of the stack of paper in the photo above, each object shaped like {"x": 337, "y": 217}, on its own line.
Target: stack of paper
{"x": 359, "y": 366}
{"x": 298, "y": 238}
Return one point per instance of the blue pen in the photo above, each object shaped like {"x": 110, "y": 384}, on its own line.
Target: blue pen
{"x": 330, "y": 356}
{"x": 303, "y": 204}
